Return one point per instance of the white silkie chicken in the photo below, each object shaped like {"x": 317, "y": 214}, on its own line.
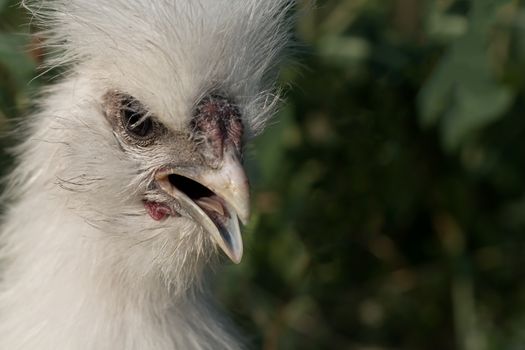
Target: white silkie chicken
{"x": 130, "y": 183}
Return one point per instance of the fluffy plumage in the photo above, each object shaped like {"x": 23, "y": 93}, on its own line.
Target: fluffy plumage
{"x": 83, "y": 267}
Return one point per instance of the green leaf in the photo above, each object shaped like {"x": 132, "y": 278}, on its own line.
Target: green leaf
{"x": 14, "y": 57}
{"x": 474, "y": 107}
{"x": 463, "y": 93}
{"x": 3, "y": 4}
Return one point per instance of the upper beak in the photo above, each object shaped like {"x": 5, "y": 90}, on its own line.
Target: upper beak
{"x": 220, "y": 209}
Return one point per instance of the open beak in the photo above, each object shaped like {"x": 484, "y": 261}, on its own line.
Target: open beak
{"x": 215, "y": 198}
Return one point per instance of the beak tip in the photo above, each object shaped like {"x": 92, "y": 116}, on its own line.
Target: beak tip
{"x": 244, "y": 219}
{"x": 236, "y": 256}
{"x": 237, "y": 260}
{"x": 233, "y": 252}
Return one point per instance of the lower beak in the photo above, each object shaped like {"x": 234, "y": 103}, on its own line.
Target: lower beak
{"x": 219, "y": 209}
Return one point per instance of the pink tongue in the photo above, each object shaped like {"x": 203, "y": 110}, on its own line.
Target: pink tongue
{"x": 211, "y": 204}
{"x": 157, "y": 211}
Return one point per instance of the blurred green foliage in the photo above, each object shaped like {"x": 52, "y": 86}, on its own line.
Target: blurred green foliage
{"x": 389, "y": 202}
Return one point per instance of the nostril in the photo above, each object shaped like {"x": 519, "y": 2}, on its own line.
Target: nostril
{"x": 191, "y": 188}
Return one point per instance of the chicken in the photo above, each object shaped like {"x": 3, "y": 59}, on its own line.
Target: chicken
{"x": 129, "y": 184}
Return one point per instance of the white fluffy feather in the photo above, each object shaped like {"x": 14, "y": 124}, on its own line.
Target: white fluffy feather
{"x": 83, "y": 267}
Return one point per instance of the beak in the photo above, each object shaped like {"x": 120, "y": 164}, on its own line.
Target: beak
{"x": 215, "y": 198}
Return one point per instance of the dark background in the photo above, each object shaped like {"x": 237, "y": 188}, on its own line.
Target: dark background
{"x": 389, "y": 192}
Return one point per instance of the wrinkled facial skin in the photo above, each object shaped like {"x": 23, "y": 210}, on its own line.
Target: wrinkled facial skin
{"x": 218, "y": 122}
{"x": 197, "y": 172}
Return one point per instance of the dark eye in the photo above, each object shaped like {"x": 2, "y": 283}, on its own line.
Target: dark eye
{"x": 130, "y": 119}
{"x": 136, "y": 121}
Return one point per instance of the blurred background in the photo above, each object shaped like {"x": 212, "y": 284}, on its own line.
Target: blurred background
{"x": 389, "y": 202}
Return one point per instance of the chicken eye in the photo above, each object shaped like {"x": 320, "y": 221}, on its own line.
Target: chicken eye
{"x": 130, "y": 119}
{"x": 136, "y": 123}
